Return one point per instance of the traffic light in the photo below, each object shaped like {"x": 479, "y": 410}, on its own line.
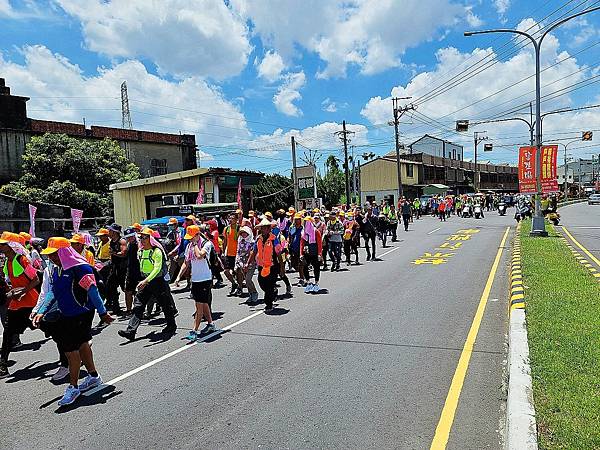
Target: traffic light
{"x": 586, "y": 135}
{"x": 462, "y": 125}
{"x": 488, "y": 147}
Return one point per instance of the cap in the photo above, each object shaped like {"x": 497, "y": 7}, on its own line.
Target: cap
{"x": 297, "y": 216}
{"x": 191, "y": 217}
{"x": 25, "y": 236}
{"x": 7, "y": 237}
{"x": 54, "y": 243}
{"x": 269, "y": 215}
{"x": 102, "y": 232}
{"x": 281, "y": 211}
{"x": 247, "y": 230}
{"x": 173, "y": 221}
{"x": 191, "y": 231}
{"x": 316, "y": 210}
{"x": 147, "y": 232}
{"x": 115, "y": 227}
{"x": 264, "y": 223}
{"x": 77, "y": 239}
{"x": 129, "y": 232}
{"x": 137, "y": 226}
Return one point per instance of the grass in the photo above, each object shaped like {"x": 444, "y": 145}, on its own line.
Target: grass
{"x": 563, "y": 323}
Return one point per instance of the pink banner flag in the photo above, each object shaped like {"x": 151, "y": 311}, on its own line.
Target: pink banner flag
{"x": 32, "y": 211}
{"x": 239, "y": 196}
{"x": 76, "y": 215}
{"x": 200, "y": 198}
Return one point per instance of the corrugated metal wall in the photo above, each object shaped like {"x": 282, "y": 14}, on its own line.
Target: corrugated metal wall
{"x": 382, "y": 175}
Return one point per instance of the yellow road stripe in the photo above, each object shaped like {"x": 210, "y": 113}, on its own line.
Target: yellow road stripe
{"x": 442, "y": 431}
{"x": 585, "y": 250}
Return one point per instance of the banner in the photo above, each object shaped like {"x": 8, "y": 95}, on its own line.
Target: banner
{"x": 32, "y": 211}
{"x": 549, "y": 175}
{"x": 527, "y": 178}
{"x": 76, "y": 215}
{"x": 200, "y": 198}
{"x": 239, "y": 194}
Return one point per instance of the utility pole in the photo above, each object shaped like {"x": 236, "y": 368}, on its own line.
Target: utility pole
{"x": 477, "y": 139}
{"x": 343, "y": 135}
{"x": 398, "y": 112}
{"x": 125, "y": 113}
{"x": 294, "y": 178}
{"x": 566, "y": 173}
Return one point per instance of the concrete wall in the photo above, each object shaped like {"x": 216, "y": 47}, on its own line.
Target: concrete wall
{"x": 142, "y": 153}
{"x": 14, "y": 216}
{"x": 12, "y": 146}
{"x": 435, "y": 147}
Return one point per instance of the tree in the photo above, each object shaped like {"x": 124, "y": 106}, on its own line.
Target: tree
{"x": 331, "y": 186}
{"x": 73, "y": 172}
{"x": 273, "y": 191}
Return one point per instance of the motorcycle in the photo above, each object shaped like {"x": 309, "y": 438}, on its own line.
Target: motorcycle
{"x": 502, "y": 209}
{"x": 466, "y": 211}
{"x": 477, "y": 212}
{"x": 521, "y": 213}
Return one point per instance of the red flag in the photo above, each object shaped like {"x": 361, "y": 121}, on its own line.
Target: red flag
{"x": 200, "y": 198}
{"x": 527, "y": 180}
{"x": 239, "y": 196}
{"x": 549, "y": 178}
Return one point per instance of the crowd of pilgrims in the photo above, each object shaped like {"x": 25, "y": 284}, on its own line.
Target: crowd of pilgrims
{"x": 58, "y": 286}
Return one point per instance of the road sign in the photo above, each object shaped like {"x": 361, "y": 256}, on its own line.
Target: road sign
{"x": 587, "y": 135}
{"x": 462, "y": 125}
{"x": 488, "y": 147}
{"x": 306, "y": 176}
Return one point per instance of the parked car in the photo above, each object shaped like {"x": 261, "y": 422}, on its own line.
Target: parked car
{"x": 594, "y": 199}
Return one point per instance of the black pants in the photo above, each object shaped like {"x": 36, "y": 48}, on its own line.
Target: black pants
{"x": 370, "y": 238}
{"x": 349, "y": 249}
{"x": 159, "y": 290}
{"x": 17, "y": 321}
{"x": 325, "y": 252}
{"x": 394, "y": 228}
{"x": 405, "y": 219}
{"x": 312, "y": 260}
{"x": 335, "y": 253}
{"x": 116, "y": 280}
{"x": 267, "y": 284}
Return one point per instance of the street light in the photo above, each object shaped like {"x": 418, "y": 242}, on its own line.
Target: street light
{"x": 538, "y": 226}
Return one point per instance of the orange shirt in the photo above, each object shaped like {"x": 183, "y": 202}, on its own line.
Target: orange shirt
{"x": 231, "y": 237}
{"x": 20, "y": 272}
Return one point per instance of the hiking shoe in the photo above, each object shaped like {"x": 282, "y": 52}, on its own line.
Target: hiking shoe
{"x": 126, "y": 334}
{"x": 210, "y": 328}
{"x": 60, "y": 374}
{"x": 308, "y": 288}
{"x": 315, "y": 289}
{"x": 192, "y": 336}
{"x": 89, "y": 382}
{"x": 3, "y": 369}
{"x": 71, "y": 394}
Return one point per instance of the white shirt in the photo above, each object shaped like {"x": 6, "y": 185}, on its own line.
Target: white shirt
{"x": 200, "y": 268}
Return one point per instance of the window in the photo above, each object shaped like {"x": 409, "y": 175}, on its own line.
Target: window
{"x": 409, "y": 171}
{"x": 158, "y": 167}
{"x": 454, "y": 154}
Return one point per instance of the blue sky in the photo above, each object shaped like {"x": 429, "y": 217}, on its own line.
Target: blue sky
{"x": 245, "y": 75}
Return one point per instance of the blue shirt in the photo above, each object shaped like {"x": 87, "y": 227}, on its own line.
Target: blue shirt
{"x": 295, "y": 236}
{"x": 73, "y": 295}
{"x": 183, "y": 243}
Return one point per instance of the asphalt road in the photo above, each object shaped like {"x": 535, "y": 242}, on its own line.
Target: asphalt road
{"x": 583, "y": 222}
{"x": 366, "y": 365}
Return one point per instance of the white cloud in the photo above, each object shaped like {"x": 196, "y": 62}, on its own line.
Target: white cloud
{"x": 45, "y": 74}
{"x": 330, "y": 106}
{"x": 462, "y": 98}
{"x": 5, "y": 8}
{"x": 472, "y": 19}
{"x": 271, "y": 66}
{"x": 369, "y": 34}
{"x": 502, "y": 6}
{"x": 182, "y": 37}
{"x": 288, "y": 93}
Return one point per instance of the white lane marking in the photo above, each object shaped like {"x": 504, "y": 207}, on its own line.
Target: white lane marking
{"x": 169, "y": 355}
{"x": 433, "y": 231}
{"x": 587, "y": 228}
{"x": 389, "y": 251}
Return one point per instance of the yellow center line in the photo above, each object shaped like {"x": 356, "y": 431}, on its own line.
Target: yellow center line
{"x": 442, "y": 431}
{"x": 585, "y": 250}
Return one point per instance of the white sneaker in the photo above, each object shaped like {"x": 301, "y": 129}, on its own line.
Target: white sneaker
{"x": 90, "y": 382}
{"x": 71, "y": 394}
{"x": 60, "y": 374}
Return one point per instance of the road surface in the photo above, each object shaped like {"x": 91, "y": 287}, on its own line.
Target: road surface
{"x": 367, "y": 365}
{"x": 583, "y": 222}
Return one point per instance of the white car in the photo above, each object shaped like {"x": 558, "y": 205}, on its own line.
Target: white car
{"x": 594, "y": 199}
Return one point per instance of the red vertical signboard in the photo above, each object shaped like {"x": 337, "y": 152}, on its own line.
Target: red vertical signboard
{"x": 549, "y": 177}
{"x": 527, "y": 170}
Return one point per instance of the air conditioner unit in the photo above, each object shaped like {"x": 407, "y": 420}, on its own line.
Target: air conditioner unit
{"x": 168, "y": 200}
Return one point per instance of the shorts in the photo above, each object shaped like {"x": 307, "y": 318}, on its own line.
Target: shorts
{"x": 230, "y": 262}
{"x": 74, "y": 331}
{"x": 202, "y": 291}
{"x": 131, "y": 281}
{"x": 19, "y": 319}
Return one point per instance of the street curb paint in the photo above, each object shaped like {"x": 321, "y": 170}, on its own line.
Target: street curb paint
{"x": 578, "y": 256}
{"x": 521, "y": 427}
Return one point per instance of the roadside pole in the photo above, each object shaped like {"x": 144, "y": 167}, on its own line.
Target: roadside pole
{"x": 294, "y": 178}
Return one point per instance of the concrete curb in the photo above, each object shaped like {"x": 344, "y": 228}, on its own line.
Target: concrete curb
{"x": 521, "y": 428}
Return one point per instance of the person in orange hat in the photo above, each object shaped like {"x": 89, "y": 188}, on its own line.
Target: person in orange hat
{"x": 23, "y": 295}
{"x": 75, "y": 292}
{"x": 137, "y": 227}
{"x": 295, "y": 235}
{"x": 103, "y": 252}
{"x": 78, "y": 243}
